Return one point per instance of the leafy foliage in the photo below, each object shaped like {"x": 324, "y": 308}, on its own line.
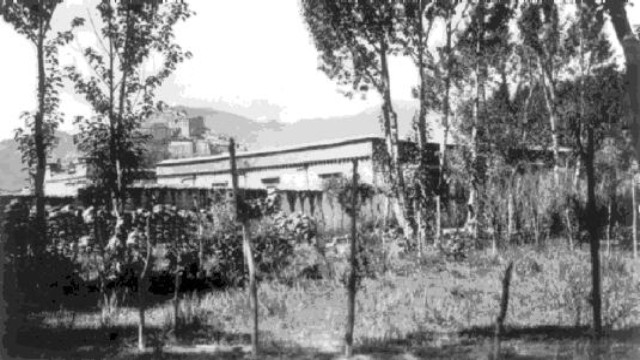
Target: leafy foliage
{"x": 121, "y": 97}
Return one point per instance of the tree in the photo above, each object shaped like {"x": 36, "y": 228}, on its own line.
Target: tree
{"x": 450, "y": 74}
{"x": 483, "y": 43}
{"x": 541, "y": 32}
{"x": 414, "y": 39}
{"x": 241, "y": 218}
{"x": 631, "y": 46}
{"x": 354, "y": 40}
{"x": 122, "y": 96}
{"x": 598, "y": 92}
{"x": 32, "y": 19}
{"x": 595, "y": 110}
{"x": 352, "y": 282}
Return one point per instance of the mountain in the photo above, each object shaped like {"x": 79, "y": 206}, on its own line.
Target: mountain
{"x": 256, "y": 135}
{"x": 245, "y": 131}
{"x": 13, "y": 176}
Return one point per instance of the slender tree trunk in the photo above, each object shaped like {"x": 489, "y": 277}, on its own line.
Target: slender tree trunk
{"x": 631, "y": 46}
{"x": 592, "y": 222}
{"x": 504, "y": 301}
{"x": 438, "y": 221}
{"x": 176, "y": 302}
{"x": 510, "y": 216}
{"x": 473, "y": 207}
{"x": 609, "y": 227}
{"x": 422, "y": 130}
{"x": 393, "y": 146}
{"x": 442, "y": 158}
{"x": 550, "y": 101}
{"x": 41, "y": 151}
{"x": 351, "y": 300}
{"x": 120, "y": 117}
{"x": 246, "y": 248}
{"x": 472, "y": 215}
{"x": 115, "y": 188}
{"x": 634, "y": 213}
{"x": 141, "y": 314}
{"x": 253, "y": 285}
{"x": 142, "y": 285}
{"x": 422, "y": 71}
{"x": 502, "y": 315}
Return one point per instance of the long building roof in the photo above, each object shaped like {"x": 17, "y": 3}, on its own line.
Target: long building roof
{"x": 273, "y": 150}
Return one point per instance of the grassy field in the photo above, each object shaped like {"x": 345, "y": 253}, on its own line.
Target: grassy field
{"x": 427, "y": 308}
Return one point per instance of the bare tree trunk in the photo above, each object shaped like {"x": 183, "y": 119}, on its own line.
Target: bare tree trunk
{"x": 442, "y": 158}
{"x": 422, "y": 127}
{"x": 253, "y": 285}
{"x": 351, "y": 300}
{"x": 141, "y": 315}
{"x": 504, "y": 301}
{"x": 422, "y": 71}
{"x": 176, "y": 303}
{"x": 631, "y": 46}
{"x": 142, "y": 285}
{"x": 438, "y": 225}
{"x": 473, "y": 208}
{"x": 592, "y": 222}
{"x": 634, "y": 213}
{"x": 41, "y": 152}
{"x": 550, "y": 101}
{"x": 609, "y": 225}
{"x": 246, "y": 249}
{"x": 504, "y": 306}
{"x": 510, "y": 215}
{"x": 404, "y": 215}
{"x": 421, "y": 233}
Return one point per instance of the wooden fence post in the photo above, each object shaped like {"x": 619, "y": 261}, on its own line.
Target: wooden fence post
{"x": 246, "y": 247}
{"x": 351, "y": 302}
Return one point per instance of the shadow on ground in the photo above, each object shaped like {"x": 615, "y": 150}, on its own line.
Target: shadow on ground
{"x": 120, "y": 342}
{"x": 518, "y": 343}
{"x": 542, "y": 342}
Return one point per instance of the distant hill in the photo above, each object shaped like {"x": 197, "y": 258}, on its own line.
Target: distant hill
{"x": 245, "y": 131}
{"x": 256, "y": 135}
{"x": 13, "y": 176}
{"x": 250, "y": 133}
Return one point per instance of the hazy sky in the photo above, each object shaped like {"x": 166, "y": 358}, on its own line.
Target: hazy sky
{"x": 251, "y": 57}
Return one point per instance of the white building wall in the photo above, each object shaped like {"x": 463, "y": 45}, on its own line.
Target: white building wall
{"x": 65, "y": 183}
{"x": 297, "y": 169}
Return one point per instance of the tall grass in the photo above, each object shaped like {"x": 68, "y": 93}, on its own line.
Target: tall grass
{"x": 431, "y": 300}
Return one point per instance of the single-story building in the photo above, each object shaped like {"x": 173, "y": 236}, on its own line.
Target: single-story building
{"x": 298, "y": 167}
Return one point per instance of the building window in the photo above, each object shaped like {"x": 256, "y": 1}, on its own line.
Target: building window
{"x": 328, "y": 176}
{"x": 220, "y": 185}
{"x": 273, "y": 181}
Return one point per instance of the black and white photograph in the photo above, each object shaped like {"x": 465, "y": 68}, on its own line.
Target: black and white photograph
{"x": 319, "y": 179}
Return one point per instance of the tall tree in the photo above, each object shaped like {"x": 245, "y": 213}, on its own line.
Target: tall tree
{"x": 241, "y": 217}
{"x": 416, "y": 20}
{"x": 486, "y": 37}
{"x": 32, "y": 19}
{"x": 354, "y": 40}
{"x": 542, "y": 35}
{"x": 631, "y": 46}
{"x": 598, "y": 107}
{"x": 593, "y": 107}
{"x": 122, "y": 95}
{"x": 449, "y": 73}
